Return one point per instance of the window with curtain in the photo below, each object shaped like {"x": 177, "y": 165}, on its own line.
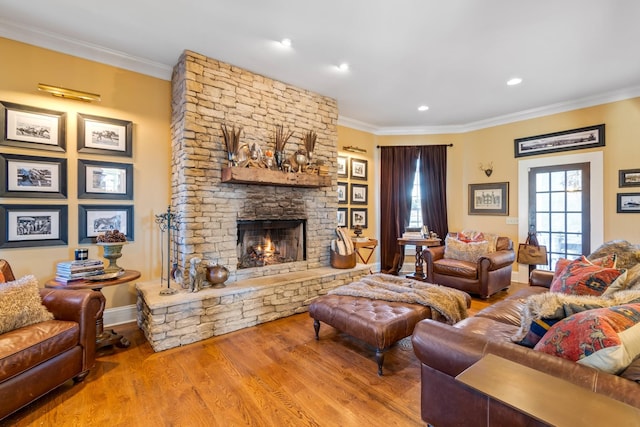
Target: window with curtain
{"x": 415, "y": 221}
{"x": 412, "y": 178}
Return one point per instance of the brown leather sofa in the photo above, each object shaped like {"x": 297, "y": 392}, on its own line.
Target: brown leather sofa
{"x": 490, "y": 274}
{"x": 36, "y": 359}
{"x": 445, "y": 351}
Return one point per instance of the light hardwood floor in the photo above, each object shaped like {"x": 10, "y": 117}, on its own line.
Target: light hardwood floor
{"x": 274, "y": 374}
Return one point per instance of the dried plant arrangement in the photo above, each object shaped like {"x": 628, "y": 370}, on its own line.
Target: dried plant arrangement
{"x": 231, "y": 139}
{"x": 281, "y": 138}
{"x": 309, "y": 140}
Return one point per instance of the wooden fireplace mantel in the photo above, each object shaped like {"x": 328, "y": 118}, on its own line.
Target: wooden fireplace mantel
{"x": 259, "y": 176}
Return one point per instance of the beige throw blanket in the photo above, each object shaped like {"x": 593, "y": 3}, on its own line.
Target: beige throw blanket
{"x": 444, "y": 302}
{"x": 555, "y": 305}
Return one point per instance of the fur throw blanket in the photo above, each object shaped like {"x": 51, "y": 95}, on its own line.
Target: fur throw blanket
{"x": 554, "y": 305}
{"x": 444, "y": 302}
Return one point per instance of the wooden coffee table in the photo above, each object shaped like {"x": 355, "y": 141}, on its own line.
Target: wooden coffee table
{"x": 109, "y": 337}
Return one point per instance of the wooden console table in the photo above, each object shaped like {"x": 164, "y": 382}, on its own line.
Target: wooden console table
{"x": 370, "y": 244}
{"x": 103, "y": 338}
{"x": 418, "y": 243}
{"x": 544, "y": 397}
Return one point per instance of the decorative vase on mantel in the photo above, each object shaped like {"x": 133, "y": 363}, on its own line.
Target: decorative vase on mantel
{"x": 112, "y": 251}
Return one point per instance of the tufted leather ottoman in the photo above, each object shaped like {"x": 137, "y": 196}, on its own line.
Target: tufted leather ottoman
{"x": 376, "y": 322}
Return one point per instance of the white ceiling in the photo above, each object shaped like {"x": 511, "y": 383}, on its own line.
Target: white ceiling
{"x": 454, "y": 56}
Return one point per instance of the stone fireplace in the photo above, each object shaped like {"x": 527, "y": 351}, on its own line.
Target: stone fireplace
{"x": 262, "y": 243}
{"x": 285, "y": 270}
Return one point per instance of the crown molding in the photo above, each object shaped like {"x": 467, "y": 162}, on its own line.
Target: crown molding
{"x": 119, "y": 59}
{"x": 561, "y": 107}
{"x": 84, "y": 50}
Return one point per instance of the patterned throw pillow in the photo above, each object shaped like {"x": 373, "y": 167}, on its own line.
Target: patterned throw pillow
{"x": 469, "y": 236}
{"x": 461, "y": 251}
{"x": 20, "y": 304}
{"x": 584, "y": 278}
{"x": 607, "y": 339}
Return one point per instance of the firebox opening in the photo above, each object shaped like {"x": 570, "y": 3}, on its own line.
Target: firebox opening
{"x": 268, "y": 242}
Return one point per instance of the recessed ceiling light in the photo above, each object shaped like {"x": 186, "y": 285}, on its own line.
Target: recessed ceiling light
{"x": 514, "y": 81}
{"x": 285, "y": 42}
{"x": 423, "y": 108}
{"x": 343, "y": 67}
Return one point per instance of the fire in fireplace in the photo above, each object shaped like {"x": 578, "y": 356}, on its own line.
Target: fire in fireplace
{"x": 268, "y": 242}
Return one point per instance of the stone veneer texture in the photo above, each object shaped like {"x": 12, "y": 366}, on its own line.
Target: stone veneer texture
{"x": 207, "y": 93}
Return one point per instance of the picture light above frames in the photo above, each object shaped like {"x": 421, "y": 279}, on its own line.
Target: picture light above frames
{"x": 354, "y": 149}
{"x": 69, "y": 93}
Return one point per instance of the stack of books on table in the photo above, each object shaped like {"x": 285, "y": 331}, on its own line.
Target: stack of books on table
{"x": 70, "y": 271}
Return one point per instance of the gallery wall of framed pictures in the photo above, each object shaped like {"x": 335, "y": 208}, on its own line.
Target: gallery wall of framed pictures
{"x": 353, "y": 193}
{"x": 45, "y": 177}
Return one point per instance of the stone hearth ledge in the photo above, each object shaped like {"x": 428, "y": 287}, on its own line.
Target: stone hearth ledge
{"x": 186, "y": 317}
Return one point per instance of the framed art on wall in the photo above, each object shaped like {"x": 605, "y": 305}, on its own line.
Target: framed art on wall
{"x": 358, "y": 169}
{"x": 489, "y": 199}
{"x": 31, "y": 176}
{"x": 33, "y": 225}
{"x": 102, "y": 135}
{"x": 343, "y": 171}
{"x": 359, "y": 194}
{"x": 94, "y": 220}
{"x": 105, "y": 180}
{"x": 342, "y": 192}
{"x": 342, "y": 217}
{"x": 629, "y": 178}
{"x": 359, "y": 217}
{"x": 628, "y": 203}
{"x": 31, "y": 127}
{"x": 574, "y": 139}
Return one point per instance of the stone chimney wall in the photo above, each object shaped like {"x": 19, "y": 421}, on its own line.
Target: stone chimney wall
{"x": 207, "y": 93}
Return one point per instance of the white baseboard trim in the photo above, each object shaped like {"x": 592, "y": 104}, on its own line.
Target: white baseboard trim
{"x": 119, "y": 315}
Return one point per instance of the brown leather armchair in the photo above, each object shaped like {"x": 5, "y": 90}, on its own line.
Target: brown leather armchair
{"x": 37, "y": 358}
{"x": 490, "y": 274}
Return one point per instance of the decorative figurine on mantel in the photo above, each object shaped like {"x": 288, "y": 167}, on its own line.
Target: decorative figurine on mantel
{"x": 196, "y": 274}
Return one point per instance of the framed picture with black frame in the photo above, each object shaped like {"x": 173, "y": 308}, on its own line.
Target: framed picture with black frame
{"x": 33, "y": 177}
{"x": 359, "y": 194}
{"x": 30, "y": 127}
{"x": 343, "y": 168}
{"x": 343, "y": 190}
{"x": 629, "y": 178}
{"x": 105, "y": 180}
{"x": 343, "y": 220}
{"x": 359, "y": 217}
{"x": 102, "y": 135}
{"x": 574, "y": 139}
{"x": 489, "y": 199}
{"x": 33, "y": 225}
{"x": 628, "y": 203}
{"x": 94, "y": 220}
{"x": 359, "y": 169}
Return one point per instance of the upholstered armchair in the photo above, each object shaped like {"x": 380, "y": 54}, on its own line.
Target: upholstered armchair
{"x": 481, "y": 274}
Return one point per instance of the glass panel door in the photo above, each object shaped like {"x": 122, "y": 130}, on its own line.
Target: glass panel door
{"x": 559, "y": 210}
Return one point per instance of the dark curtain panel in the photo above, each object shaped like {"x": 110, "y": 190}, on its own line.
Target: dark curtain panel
{"x": 398, "y": 168}
{"x": 433, "y": 188}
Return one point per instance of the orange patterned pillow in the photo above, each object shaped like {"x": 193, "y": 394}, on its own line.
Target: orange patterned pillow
{"x": 584, "y": 278}
{"x": 607, "y": 339}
